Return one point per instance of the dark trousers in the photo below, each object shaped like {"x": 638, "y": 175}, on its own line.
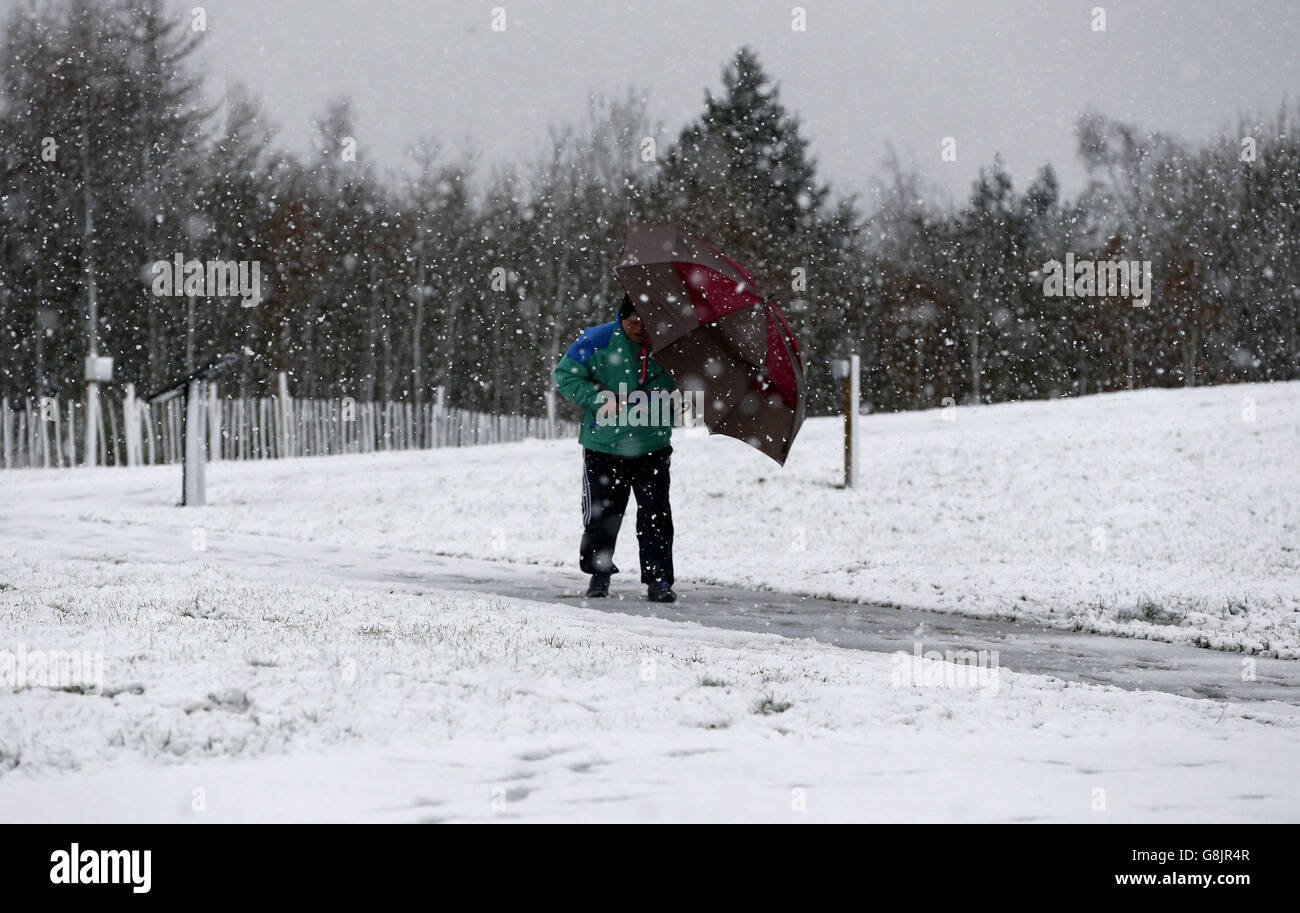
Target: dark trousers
{"x": 606, "y": 480}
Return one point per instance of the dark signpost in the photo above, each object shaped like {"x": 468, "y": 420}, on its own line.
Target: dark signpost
{"x": 195, "y": 428}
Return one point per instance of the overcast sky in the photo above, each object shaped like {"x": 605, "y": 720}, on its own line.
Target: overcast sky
{"x": 997, "y": 75}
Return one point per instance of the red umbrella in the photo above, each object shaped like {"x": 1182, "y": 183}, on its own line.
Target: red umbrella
{"x": 713, "y": 330}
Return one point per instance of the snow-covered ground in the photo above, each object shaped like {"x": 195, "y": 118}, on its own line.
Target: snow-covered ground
{"x": 300, "y": 698}
{"x": 310, "y": 702}
{"x": 1169, "y": 514}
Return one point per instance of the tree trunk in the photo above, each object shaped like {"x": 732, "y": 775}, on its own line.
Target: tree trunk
{"x": 974, "y": 335}
{"x": 1128, "y": 351}
{"x": 1189, "y": 357}
{"x": 417, "y": 379}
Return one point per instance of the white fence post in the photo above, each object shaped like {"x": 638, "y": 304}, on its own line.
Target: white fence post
{"x": 286, "y": 415}
{"x": 214, "y": 422}
{"x": 72, "y": 433}
{"x": 6, "y": 436}
{"x": 131, "y": 424}
{"x": 193, "y": 487}
{"x": 92, "y": 423}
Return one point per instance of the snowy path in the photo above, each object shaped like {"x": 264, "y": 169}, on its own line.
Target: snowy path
{"x": 1022, "y": 646}
{"x": 1135, "y": 665}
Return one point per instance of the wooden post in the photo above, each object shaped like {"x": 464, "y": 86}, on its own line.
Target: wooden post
{"x": 175, "y": 419}
{"x": 286, "y": 415}
{"x": 112, "y": 433}
{"x": 102, "y": 431}
{"x": 147, "y": 445}
{"x": 132, "y": 423}
{"x": 58, "y": 434}
{"x": 165, "y": 431}
{"x": 6, "y": 435}
{"x": 147, "y": 418}
{"x": 92, "y": 424}
{"x": 23, "y": 438}
{"x": 214, "y": 422}
{"x": 72, "y": 433}
{"x": 851, "y": 397}
{"x": 44, "y": 404}
{"x": 193, "y": 475}
{"x": 263, "y": 429}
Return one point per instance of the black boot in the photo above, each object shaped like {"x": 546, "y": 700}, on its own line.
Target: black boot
{"x": 598, "y": 587}
{"x": 661, "y": 592}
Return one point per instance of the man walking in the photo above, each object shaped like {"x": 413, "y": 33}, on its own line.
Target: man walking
{"x": 626, "y": 426}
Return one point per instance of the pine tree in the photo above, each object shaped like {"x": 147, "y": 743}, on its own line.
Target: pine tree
{"x": 742, "y": 177}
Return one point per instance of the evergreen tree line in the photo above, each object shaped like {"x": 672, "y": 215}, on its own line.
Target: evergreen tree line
{"x": 382, "y": 287}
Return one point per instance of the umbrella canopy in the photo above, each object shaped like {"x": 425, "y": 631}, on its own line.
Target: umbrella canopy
{"x": 713, "y": 330}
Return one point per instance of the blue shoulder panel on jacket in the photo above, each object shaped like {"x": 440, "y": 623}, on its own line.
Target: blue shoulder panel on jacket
{"x": 591, "y": 340}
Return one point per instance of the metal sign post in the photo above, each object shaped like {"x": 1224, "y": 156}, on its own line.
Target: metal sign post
{"x": 193, "y": 478}
{"x": 193, "y": 488}
{"x": 99, "y": 369}
{"x": 851, "y": 423}
{"x": 847, "y": 370}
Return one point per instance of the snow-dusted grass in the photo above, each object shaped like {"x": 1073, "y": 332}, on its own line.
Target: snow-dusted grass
{"x": 270, "y": 690}
{"x": 303, "y": 701}
{"x": 1159, "y": 513}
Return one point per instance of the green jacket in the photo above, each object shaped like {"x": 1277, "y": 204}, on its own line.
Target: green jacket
{"x": 604, "y": 359}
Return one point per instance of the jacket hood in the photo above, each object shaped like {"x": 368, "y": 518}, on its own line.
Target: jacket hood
{"x": 625, "y": 308}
